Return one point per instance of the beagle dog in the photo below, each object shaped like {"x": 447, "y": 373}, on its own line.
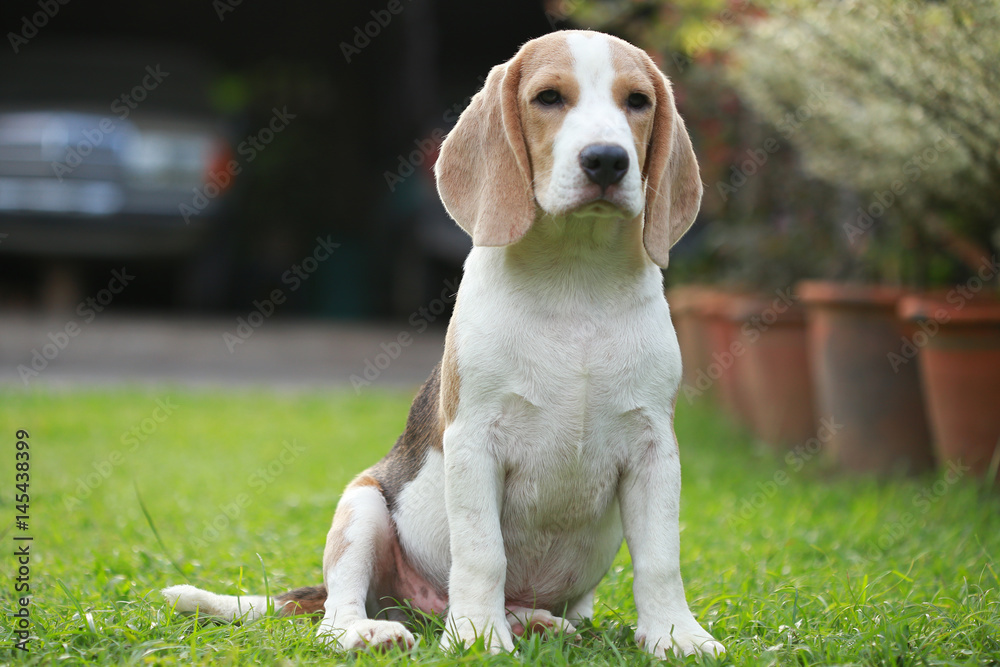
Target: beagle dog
{"x": 545, "y": 434}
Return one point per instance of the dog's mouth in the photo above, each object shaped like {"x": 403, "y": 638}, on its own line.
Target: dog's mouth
{"x": 605, "y": 204}
{"x": 601, "y": 208}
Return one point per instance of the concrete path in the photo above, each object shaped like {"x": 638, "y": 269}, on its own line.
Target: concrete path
{"x": 112, "y": 350}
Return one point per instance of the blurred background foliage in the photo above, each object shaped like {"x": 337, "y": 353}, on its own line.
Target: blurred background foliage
{"x": 842, "y": 140}
{"x": 804, "y": 116}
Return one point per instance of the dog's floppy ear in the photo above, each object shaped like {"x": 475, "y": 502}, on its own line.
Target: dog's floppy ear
{"x": 673, "y": 183}
{"x": 483, "y": 173}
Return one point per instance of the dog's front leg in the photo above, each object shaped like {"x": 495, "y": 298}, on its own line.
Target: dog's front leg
{"x": 650, "y": 502}
{"x": 473, "y": 497}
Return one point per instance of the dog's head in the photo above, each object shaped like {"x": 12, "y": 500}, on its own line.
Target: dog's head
{"x": 577, "y": 122}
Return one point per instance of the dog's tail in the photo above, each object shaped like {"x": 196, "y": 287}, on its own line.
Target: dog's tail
{"x": 188, "y": 599}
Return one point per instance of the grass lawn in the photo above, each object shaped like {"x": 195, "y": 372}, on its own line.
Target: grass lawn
{"x": 783, "y": 561}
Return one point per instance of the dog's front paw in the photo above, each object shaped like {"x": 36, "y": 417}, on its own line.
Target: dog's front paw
{"x": 463, "y": 632}
{"x": 366, "y": 634}
{"x": 679, "y": 641}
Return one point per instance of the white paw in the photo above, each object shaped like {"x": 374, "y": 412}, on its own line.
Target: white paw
{"x": 524, "y": 621}
{"x": 463, "y": 632}
{"x": 679, "y": 642}
{"x": 366, "y": 634}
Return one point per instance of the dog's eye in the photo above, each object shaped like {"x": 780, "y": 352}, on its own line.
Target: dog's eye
{"x": 638, "y": 101}
{"x": 549, "y": 97}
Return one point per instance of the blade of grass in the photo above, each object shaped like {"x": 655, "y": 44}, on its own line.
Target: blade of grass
{"x": 267, "y": 587}
{"x": 79, "y": 608}
{"x": 156, "y": 533}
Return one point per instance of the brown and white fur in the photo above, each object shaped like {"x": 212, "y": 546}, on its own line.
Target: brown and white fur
{"x": 545, "y": 435}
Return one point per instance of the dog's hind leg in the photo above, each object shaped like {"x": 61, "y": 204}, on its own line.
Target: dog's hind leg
{"x": 358, "y": 552}
{"x": 526, "y": 621}
{"x": 581, "y": 610}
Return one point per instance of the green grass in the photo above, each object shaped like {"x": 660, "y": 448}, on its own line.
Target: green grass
{"x": 819, "y": 569}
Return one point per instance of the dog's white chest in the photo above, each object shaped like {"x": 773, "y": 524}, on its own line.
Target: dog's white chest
{"x": 560, "y": 516}
{"x": 568, "y": 388}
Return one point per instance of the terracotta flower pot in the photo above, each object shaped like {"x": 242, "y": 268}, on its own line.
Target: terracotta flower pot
{"x": 685, "y": 311}
{"x": 721, "y": 372}
{"x": 959, "y": 351}
{"x": 878, "y": 409}
{"x": 774, "y": 378}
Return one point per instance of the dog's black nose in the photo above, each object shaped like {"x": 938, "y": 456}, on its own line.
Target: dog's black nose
{"x": 604, "y": 164}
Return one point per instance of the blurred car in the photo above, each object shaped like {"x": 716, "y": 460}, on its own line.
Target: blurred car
{"x": 108, "y": 151}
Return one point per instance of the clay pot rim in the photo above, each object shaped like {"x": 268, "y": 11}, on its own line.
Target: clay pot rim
{"x": 720, "y": 303}
{"x": 687, "y": 298}
{"x": 705, "y": 300}
{"x": 980, "y": 309}
{"x": 737, "y": 306}
{"x": 829, "y": 293}
{"x": 743, "y": 307}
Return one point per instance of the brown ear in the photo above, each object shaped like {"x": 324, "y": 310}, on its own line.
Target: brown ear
{"x": 673, "y": 183}
{"x": 483, "y": 173}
